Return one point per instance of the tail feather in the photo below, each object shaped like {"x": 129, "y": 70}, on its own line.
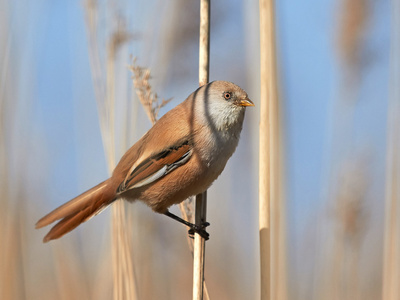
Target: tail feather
{"x": 78, "y": 210}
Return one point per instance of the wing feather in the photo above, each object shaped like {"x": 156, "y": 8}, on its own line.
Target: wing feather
{"x": 156, "y": 166}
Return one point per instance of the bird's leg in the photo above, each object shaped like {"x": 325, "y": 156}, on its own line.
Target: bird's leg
{"x": 200, "y": 229}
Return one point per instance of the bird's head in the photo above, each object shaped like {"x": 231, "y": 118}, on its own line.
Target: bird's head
{"x": 222, "y": 103}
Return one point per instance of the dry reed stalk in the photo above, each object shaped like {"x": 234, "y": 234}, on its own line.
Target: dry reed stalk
{"x": 4, "y": 161}
{"x": 123, "y": 273}
{"x": 199, "y": 249}
{"x": 11, "y": 280}
{"x": 271, "y": 205}
{"x": 391, "y": 256}
{"x": 201, "y": 199}
{"x": 71, "y": 283}
{"x": 124, "y": 284}
{"x": 149, "y": 100}
{"x": 351, "y": 28}
{"x": 9, "y": 255}
{"x": 19, "y": 245}
{"x": 344, "y": 277}
{"x": 264, "y": 159}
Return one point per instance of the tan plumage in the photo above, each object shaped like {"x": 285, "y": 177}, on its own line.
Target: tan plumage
{"x": 180, "y": 156}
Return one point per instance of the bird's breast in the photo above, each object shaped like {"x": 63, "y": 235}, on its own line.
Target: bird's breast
{"x": 215, "y": 148}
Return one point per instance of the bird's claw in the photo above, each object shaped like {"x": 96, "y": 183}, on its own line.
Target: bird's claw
{"x": 200, "y": 229}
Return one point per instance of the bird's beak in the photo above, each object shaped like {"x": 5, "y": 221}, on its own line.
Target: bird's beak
{"x": 245, "y": 102}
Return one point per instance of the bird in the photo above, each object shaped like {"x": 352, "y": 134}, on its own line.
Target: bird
{"x": 180, "y": 156}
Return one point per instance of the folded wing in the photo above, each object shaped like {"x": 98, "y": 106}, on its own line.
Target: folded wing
{"x": 156, "y": 167}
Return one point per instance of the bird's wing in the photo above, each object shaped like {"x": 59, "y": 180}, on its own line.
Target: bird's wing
{"x": 156, "y": 166}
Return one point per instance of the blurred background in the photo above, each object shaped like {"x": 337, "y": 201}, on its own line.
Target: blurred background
{"x": 57, "y": 59}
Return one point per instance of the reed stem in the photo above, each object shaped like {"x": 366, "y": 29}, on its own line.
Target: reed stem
{"x": 271, "y": 199}
{"x": 201, "y": 199}
{"x": 391, "y": 256}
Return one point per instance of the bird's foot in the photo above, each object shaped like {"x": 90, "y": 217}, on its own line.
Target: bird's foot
{"x": 200, "y": 229}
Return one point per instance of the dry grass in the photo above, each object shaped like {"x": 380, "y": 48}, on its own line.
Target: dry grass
{"x": 340, "y": 272}
{"x": 66, "y": 276}
{"x": 391, "y": 256}
{"x": 352, "y": 28}
{"x": 29, "y": 270}
{"x": 272, "y": 229}
{"x": 149, "y": 100}
{"x": 123, "y": 272}
{"x": 343, "y": 273}
{"x": 10, "y": 251}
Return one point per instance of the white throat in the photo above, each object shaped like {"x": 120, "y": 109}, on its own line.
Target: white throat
{"x": 221, "y": 115}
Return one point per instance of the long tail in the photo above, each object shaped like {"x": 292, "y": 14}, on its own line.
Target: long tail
{"x": 78, "y": 210}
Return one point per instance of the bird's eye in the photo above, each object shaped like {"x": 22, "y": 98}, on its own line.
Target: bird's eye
{"x": 227, "y": 95}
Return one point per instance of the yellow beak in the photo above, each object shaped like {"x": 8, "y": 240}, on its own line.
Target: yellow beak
{"x": 245, "y": 102}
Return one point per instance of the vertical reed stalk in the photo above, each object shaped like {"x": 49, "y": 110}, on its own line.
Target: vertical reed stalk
{"x": 201, "y": 199}
{"x": 391, "y": 258}
{"x": 124, "y": 286}
{"x": 271, "y": 208}
{"x": 124, "y": 282}
{"x": 264, "y": 155}
{"x": 199, "y": 248}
